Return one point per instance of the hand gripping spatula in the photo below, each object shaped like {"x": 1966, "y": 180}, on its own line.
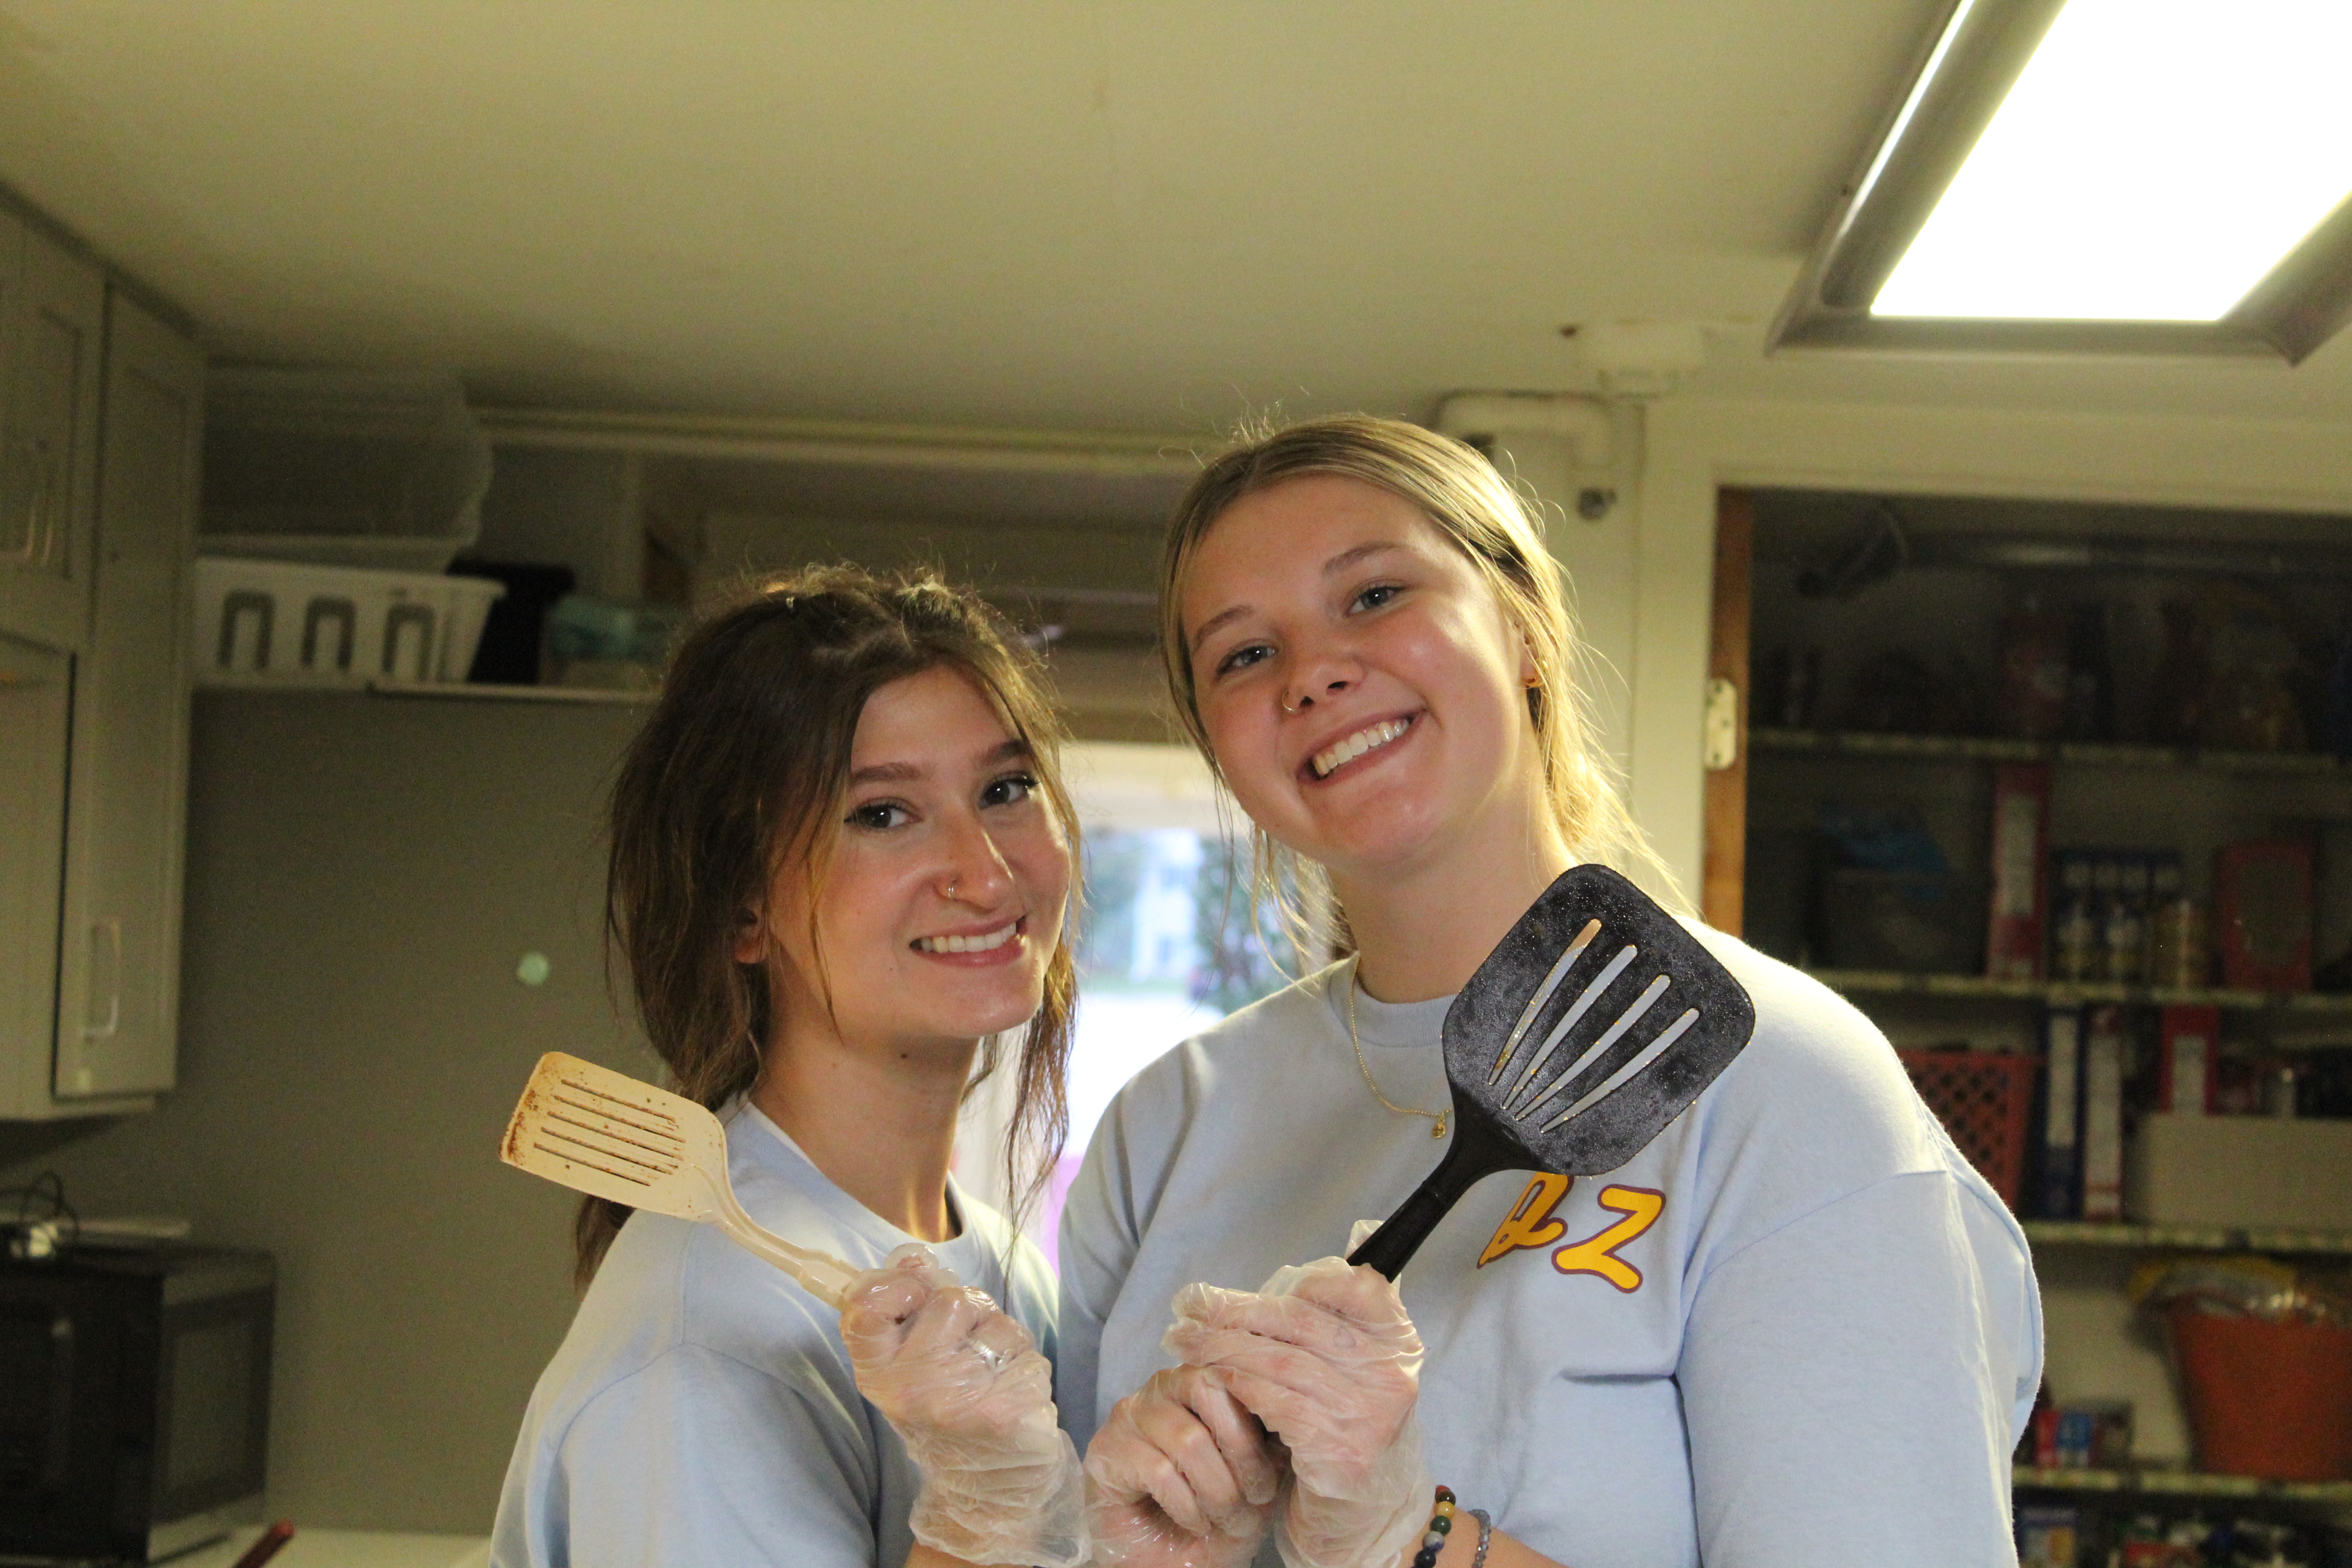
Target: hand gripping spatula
{"x": 603, "y": 1133}
{"x": 1595, "y": 1022}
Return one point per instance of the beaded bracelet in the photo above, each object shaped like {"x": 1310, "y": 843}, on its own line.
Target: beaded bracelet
{"x": 1441, "y": 1524}
{"x": 1485, "y": 1535}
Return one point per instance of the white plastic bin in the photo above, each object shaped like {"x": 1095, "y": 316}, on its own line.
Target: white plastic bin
{"x": 261, "y": 621}
{"x": 341, "y": 467}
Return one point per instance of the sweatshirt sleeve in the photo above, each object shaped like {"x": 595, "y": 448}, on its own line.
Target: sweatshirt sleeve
{"x": 1098, "y": 1241}
{"x": 698, "y": 1461}
{"x": 1852, "y": 1383}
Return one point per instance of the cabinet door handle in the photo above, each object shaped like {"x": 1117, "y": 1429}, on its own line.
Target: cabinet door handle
{"x": 23, "y": 455}
{"x": 110, "y": 928}
{"x": 41, "y": 521}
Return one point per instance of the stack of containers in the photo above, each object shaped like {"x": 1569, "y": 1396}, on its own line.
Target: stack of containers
{"x": 333, "y": 503}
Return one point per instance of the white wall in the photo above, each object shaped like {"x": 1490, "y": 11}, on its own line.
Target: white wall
{"x": 363, "y": 875}
{"x": 1600, "y": 554}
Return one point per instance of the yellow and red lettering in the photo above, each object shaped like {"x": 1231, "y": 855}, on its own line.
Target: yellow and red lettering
{"x": 1529, "y": 1223}
{"x": 1598, "y": 1255}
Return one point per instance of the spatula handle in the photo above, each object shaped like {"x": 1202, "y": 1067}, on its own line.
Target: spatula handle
{"x": 821, "y": 1274}
{"x": 824, "y": 1276}
{"x": 1391, "y": 1247}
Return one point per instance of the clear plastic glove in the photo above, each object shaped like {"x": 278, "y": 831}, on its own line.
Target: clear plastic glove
{"x": 972, "y": 1398}
{"x": 1325, "y": 1357}
{"x": 1181, "y": 1476}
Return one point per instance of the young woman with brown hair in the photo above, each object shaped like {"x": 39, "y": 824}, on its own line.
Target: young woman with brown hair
{"x": 1797, "y": 1329}
{"x": 840, "y": 867}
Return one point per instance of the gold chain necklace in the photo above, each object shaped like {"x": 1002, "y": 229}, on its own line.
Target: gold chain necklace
{"x": 1436, "y": 1118}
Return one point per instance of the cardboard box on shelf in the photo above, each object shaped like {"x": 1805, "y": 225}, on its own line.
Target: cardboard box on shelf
{"x": 2283, "y": 1173}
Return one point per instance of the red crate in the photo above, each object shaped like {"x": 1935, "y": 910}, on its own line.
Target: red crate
{"x": 1985, "y": 1100}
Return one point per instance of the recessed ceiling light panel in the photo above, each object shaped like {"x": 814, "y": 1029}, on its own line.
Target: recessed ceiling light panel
{"x": 2103, "y": 175}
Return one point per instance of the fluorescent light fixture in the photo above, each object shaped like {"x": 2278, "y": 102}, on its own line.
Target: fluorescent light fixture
{"x": 2102, "y": 176}
{"x": 2156, "y": 158}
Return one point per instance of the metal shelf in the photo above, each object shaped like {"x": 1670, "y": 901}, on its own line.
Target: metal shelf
{"x": 438, "y": 690}
{"x": 2182, "y": 1483}
{"x": 1993, "y": 748}
{"x": 1977, "y": 987}
{"x": 484, "y": 692}
{"x": 2184, "y": 1237}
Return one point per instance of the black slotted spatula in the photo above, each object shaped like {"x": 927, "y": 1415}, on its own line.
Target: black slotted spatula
{"x": 1594, "y": 1024}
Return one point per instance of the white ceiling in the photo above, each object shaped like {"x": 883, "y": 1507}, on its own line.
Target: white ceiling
{"x": 1140, "y": 215}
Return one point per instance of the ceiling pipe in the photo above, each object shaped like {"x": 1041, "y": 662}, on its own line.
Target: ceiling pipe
{"x": 814, "y": 441}
{"x": 1584, "y": 423}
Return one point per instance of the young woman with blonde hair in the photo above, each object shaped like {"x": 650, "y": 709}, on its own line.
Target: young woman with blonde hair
{"x": 840, "y": 863}
{"x": 1798, "y": 1329}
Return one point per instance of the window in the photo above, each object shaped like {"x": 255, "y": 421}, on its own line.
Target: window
{"x": 1167, "y": 946}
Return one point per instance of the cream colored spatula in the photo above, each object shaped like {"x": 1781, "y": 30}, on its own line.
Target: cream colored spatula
{"x": 603, "y": 1133}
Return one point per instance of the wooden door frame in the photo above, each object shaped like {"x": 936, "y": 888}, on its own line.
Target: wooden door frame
{"x": 1723, "y": 880}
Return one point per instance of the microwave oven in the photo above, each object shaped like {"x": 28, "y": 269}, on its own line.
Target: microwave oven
{"x": 134, "y": 1400}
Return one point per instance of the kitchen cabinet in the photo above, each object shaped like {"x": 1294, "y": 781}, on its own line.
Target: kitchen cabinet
{"x": 119, "y": 984}
{"x": 93, "y": 750}
{"x": 52, "y": 317}
{"x": 35, "y": 717}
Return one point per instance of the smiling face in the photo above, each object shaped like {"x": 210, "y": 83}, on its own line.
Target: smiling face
{"x": 1359, "y": 684}
{"x": 941, "y": 902}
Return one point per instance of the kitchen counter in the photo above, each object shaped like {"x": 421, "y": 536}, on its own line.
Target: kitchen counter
{"x": 348, "y": 1549}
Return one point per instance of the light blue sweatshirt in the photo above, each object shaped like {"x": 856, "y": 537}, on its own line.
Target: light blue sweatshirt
{"x": 701, "y": 1412}
{"x": 1796, "y": 1330}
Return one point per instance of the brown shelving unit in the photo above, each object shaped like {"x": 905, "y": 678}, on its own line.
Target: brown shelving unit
{"x": 1888, "y": 981}
{"x": 2184, "y": 1237}
{"x": 1849, "y": 620}
{"x": 2154, "y": 1481}
{"x": 1993, "y": 748}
